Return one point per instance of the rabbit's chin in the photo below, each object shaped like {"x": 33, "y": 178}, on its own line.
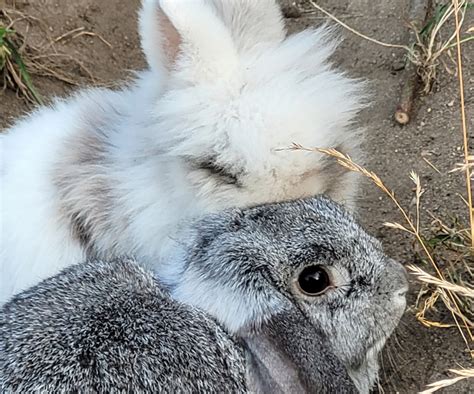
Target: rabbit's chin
{"x": 365, "y": 375}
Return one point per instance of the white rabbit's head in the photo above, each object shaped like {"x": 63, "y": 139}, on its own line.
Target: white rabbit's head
{"x": 235, "y": 93}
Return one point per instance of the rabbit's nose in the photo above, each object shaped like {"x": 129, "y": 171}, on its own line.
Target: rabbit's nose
{"x": 399, "y": 276}
{"x": 394, "y": 279}
{"x": 402, "y": 293}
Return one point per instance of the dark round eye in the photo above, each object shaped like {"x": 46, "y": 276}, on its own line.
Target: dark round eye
{"x": 313, "y": 280}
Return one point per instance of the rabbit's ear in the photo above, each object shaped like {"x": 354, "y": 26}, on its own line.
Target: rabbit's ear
{"x": 252, "y": 22}
{"x": 288, "y": 354}
{"x": 190, "y": 31}
{"x": 159, "y": 39}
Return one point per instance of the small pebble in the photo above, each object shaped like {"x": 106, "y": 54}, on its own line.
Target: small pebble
{"x": 451, "y": 103}
{"x": 398, "y": 65}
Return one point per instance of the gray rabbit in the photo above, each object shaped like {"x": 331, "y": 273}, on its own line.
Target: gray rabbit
{"x": 285, "y": 297}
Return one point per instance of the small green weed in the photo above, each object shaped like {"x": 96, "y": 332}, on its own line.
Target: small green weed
{"x": 426, "y": 53}
{"x": 13, "y": 68}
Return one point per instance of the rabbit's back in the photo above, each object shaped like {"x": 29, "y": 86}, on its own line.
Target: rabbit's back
{"x": 116, "y": 329}
{"x": 56, "y": 166}
{"x": 34, "y": 241}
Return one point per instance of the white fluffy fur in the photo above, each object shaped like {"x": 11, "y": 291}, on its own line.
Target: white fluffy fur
{"x": 233, "y": 89}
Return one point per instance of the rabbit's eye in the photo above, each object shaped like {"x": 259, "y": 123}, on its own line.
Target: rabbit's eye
{"x": 218, "y": 171}
{"x": 313, "y": 280}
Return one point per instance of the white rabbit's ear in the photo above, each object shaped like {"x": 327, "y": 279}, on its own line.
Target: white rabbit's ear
{"x": 187, "y": 29}
{"x": 252, "y": 22}
{"x": 159, "y": 39}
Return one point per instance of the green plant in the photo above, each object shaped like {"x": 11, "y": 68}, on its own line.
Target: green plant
{"x": 12, "y": 67}
{"x": 427, "y": 52}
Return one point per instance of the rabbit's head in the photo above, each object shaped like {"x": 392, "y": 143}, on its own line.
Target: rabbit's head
{"x": 235, "y": 93}
{"x": 306, "y": 263}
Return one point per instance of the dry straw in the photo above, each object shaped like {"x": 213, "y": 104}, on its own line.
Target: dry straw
{"x": 446, "y": 290}
{"x": 444, "y": 284}
{"x": 410, "y": 227}
{"x": 467, "y": 162}
{"x": 461, "y": 375}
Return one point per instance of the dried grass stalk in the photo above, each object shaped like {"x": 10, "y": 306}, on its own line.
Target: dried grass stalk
{"x": 461, "y": 374}
{"x": 424, "y": 276}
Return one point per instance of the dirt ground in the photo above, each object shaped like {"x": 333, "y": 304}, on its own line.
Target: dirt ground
{"x": 417, "y": 355}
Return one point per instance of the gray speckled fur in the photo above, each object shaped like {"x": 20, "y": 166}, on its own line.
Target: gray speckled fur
{"x": 109, "y": 327}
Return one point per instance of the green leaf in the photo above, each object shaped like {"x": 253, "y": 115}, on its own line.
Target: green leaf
{"x": 439, "y": 12}
{"x": 25, "y": 76}
{"x": 4, "y": 50}
{"x": 437, "y": 239}
{"x": 434, "y": 20}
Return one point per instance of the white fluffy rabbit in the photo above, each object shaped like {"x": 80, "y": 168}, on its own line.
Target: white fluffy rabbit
{"x": 108, "y": 173}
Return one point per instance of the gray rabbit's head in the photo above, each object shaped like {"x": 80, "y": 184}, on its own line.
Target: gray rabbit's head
{"x": 307, "y": 258}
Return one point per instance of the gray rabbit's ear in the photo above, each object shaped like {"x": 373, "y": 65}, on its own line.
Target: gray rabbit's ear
{"x": 187, "y": 31}
{"x": 288, "y": 354}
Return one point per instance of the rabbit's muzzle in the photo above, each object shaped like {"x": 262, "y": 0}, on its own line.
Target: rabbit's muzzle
{"x": 395, "y": 283}
{"x": 388, "y": 303}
